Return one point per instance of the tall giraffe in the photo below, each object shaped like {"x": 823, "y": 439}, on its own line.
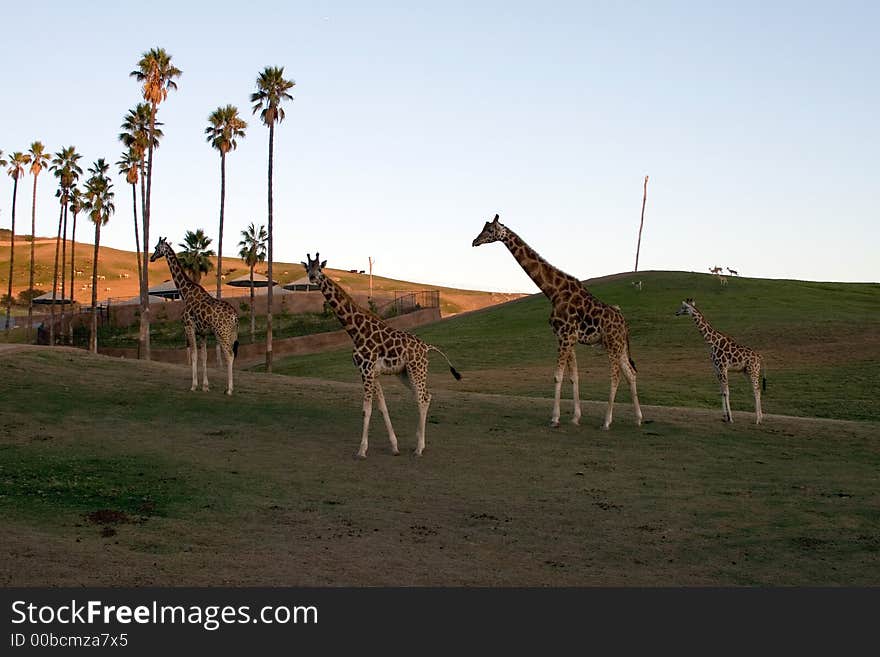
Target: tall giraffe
{"x": 379, "y": 349}
{"x": 577, "y": 316}
{"x": 726, "y": 355}
{"x": 202, "y": 315}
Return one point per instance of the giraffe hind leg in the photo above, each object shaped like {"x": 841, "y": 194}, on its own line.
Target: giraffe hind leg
{"x": 204, "y": 354}
{"x": 630, "y": 375}
{"x": 380, "y": 397}
{"x": 419, "y": 380}
{"x": 575, "y": 391}
{"x": 615, "y": 381}
{"x": 754, "y": 377}
{"x": 193, "y": 353}
{"x": 561, "y": 361}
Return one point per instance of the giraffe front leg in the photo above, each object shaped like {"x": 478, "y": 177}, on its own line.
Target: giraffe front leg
{"x": 368, "y": 411}
{"x": 561, "y": 361}
{"x": 193, "y": 354}
{"x": 725, "y": 396}
{"x": 424, "y": 403}
{"x": 380, "y": 397}
{"x": 204, "y": 357}
{"x": 615, "y": 381}
{"x": 230, "y": 357}
{"x": 575, "y": 391}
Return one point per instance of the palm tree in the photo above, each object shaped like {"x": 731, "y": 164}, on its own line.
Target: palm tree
{"x": 129, "y": 166}
{"x": 66, "y": 168}
{"x": 225, "y": 126}
{"x": 39, "y": 160}
{"x": 195, "y": 258}
{"x": 157, "y": 74}
{"x": 99, "y": 204}
{"x": 77, "y": 204}
{"x": 271, "y": 91}
{"x": 17, "y": 162}
{"x": 253, "y": 250}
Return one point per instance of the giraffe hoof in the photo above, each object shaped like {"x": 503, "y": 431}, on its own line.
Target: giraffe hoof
{"x": 576, "y": 421}
{"x": 554, "y": 424}
{"x": 360, "y": 457}
{"x": 395, "y": 452}
{"x": 606, "y": 427}
{"x": 194, "y": 388}
{"x": 417, "y": 453}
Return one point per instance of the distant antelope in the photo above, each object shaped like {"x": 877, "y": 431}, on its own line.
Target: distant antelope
{"x": 716, "y": 270}
{"x": 637, "y": 285}
{"x": 732, "y": 272}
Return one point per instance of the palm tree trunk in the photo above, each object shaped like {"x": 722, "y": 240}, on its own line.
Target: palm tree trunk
{"x": 55, "y": 279}
{"x": 63, "y": 273}
{"x": 30, "y": 317}
{"x": 93, "y": 333}
{"x": 72, "y": 275}
{"x": 11, "y": 258}
{"x": 137, "y": 239}
{"x": 144, "y": 338}
{"x": 269, "y": 291}
{"x": 222, "y": 204}
{"x": 253, "y": 320}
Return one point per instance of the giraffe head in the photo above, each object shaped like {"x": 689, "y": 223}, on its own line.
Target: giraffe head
{"x": 492, "y": 232}
{"x": 161, "y": 250}
{"x": 314, "y": 268}
{"x": 688, "y": 307}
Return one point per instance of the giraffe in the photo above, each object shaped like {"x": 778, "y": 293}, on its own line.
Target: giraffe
{"x": 727, "y": 355}
{"x": 379, "y": 349}
{"x": 577, "y": 317}
{"x": 202, "y": 314}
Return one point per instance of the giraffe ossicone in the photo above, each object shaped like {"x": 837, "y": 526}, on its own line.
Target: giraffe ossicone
{"x": 202, "y": 315}
{"x": 727, "y": 355}
{"x": 577, "y": 317}
{"x": 379, "y": 349}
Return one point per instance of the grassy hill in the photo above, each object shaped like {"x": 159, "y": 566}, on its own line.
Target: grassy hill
{"x": 820, "y": 341}
{"x": 119, "y": 268}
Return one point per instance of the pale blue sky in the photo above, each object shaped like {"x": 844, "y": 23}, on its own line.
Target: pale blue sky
{"x": 411, "y": 126}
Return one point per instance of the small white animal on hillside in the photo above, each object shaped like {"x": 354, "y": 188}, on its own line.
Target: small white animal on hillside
{"x": 637, "y": 285}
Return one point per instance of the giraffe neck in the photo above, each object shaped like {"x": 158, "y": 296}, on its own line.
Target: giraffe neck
{"x": 341, "y": 303}
{"x": 704, "y": 327}
{"x": 546, "y": 276}
{"x": 184, "y": 284}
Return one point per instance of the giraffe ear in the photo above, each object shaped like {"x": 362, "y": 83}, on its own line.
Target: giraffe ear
{"x": 495, "y": 220}
{"x": 323, "y": 264}
{"x": 303, "y": 264}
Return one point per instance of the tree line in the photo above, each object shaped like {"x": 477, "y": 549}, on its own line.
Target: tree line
{"x": 140, "y": 136}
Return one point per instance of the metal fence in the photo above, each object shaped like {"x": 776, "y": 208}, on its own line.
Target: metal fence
{"x": 407, "y": 302}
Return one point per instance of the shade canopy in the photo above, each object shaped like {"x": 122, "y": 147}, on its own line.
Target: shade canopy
{"x": 302, "y": 284}
{"x": 245, "y": 281}
{"x": 167, "y": 290}
{"x": 47, "y": 299}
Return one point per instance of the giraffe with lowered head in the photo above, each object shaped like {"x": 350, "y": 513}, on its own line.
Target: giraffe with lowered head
{"x": 202, "y": 315}
{"x": 727, "y": 355}
{"x": 577, "y": 317}
{"x": 379, "y": 349}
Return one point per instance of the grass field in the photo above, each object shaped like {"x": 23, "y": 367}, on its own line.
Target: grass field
{"x": 112, "y": 472}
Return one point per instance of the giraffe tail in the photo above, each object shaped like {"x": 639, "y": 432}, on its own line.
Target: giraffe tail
{"x": 632, "y": 363}
{"x": 235, "y": 349}
{"x": 451, "y": 368}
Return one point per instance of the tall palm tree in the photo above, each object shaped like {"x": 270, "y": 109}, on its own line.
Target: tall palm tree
{"x": 157, "y": 75}
{"x": 271, "y": 91}
{"x": 253, "y": 250}
{"x": 39, "y": 161}
{"x": 17, "y": 162}
{"x": 66, "y": 168}
{"x": 129, "y": 166}
{"x": 225, "y": 127}
{"x": 77, "y": 204}
{"x": 195, "y": 257}
{"x": 99, "y": 204}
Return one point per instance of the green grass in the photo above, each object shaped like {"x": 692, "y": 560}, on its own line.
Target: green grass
{"x": 261, "y": 489}
{"x": 820, "y": 341}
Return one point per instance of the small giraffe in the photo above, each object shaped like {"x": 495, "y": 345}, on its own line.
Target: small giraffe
{"x": 202, "y": 314}
{"x": 728, "y": 355}
{"x": 379, "y": 349}
{"x": 577, "y": 316}
{"x": 716, "y": 270}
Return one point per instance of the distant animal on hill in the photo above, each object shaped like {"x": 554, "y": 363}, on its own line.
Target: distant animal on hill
{"x": 577, "y": 317}
{"x": 722, "y": 280}
{"x": 727, "y": 355}
{"x": 637, "y": 285}
{"x": 732, "y": 272}
{"x": 379, "y": 349}
{"x": 716, "y": 270}
{"x": 202, "y": 315}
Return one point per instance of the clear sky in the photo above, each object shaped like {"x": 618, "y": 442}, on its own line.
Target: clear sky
{"x": 413, "y": 123}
